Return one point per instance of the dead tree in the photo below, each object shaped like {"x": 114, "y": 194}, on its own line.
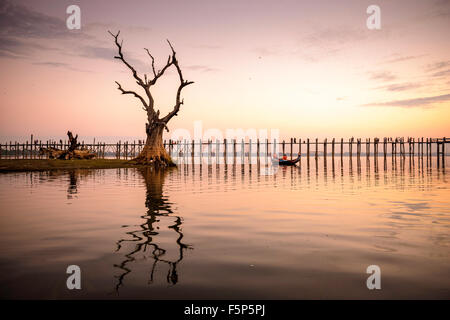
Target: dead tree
{"x": 74, "y": 151}
{"x": 73, "y": 142}
{"x": 153, "y": 151}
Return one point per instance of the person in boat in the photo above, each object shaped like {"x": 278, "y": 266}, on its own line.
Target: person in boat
{"x": 284, "y": 157}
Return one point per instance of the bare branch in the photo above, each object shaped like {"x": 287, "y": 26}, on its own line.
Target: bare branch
{"x": 153, "y": 62}
{"x": 121, "y": 57}
{"x": 145, "y": 107}
{"x": 170, "y": 61}
{"x": 178, "y": 102}
{"x": 183, "y": 83}
{"x": 161, "y": 72}
{"x": 146, "y": 83}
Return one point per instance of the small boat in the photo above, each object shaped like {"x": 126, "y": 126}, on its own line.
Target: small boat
{"x": 283, "y": 162}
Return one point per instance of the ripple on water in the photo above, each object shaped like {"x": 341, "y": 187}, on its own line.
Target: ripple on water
{"x": 217, "y": 231}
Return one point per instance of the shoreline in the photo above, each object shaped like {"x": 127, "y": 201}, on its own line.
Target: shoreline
{"x": 17, "y": 165}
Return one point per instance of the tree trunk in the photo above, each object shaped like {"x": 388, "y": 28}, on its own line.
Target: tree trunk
{"x": 154, "y": 152}
{"x": 73, "y": 142}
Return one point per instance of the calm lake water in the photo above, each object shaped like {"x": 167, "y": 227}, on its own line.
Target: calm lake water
{"x": 228, "y": 231}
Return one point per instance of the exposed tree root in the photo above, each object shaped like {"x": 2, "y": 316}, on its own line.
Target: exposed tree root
{"x": 156, "y": 156}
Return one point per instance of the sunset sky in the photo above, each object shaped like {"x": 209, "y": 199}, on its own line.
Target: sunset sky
{"x": 307, "y": 68}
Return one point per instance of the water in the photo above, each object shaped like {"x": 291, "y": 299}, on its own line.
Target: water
{"x": 228, "y": 231}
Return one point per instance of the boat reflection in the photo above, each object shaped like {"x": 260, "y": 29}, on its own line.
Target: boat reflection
{"x": 145, "y": 240}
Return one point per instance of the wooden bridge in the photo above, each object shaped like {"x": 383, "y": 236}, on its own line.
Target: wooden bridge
{"x": 253, "y": 150}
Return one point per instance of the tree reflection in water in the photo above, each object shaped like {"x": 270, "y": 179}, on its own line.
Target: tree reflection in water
{"x": 72, "y": 189}
{"x": 145, "y": 239}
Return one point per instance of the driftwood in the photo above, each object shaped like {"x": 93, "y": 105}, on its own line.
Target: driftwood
{"x": 74, "y": 151}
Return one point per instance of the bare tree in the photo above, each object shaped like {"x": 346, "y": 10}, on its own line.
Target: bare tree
{"x": 153, "y": 151}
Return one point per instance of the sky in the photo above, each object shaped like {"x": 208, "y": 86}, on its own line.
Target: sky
{"x": 307, "y": 68}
